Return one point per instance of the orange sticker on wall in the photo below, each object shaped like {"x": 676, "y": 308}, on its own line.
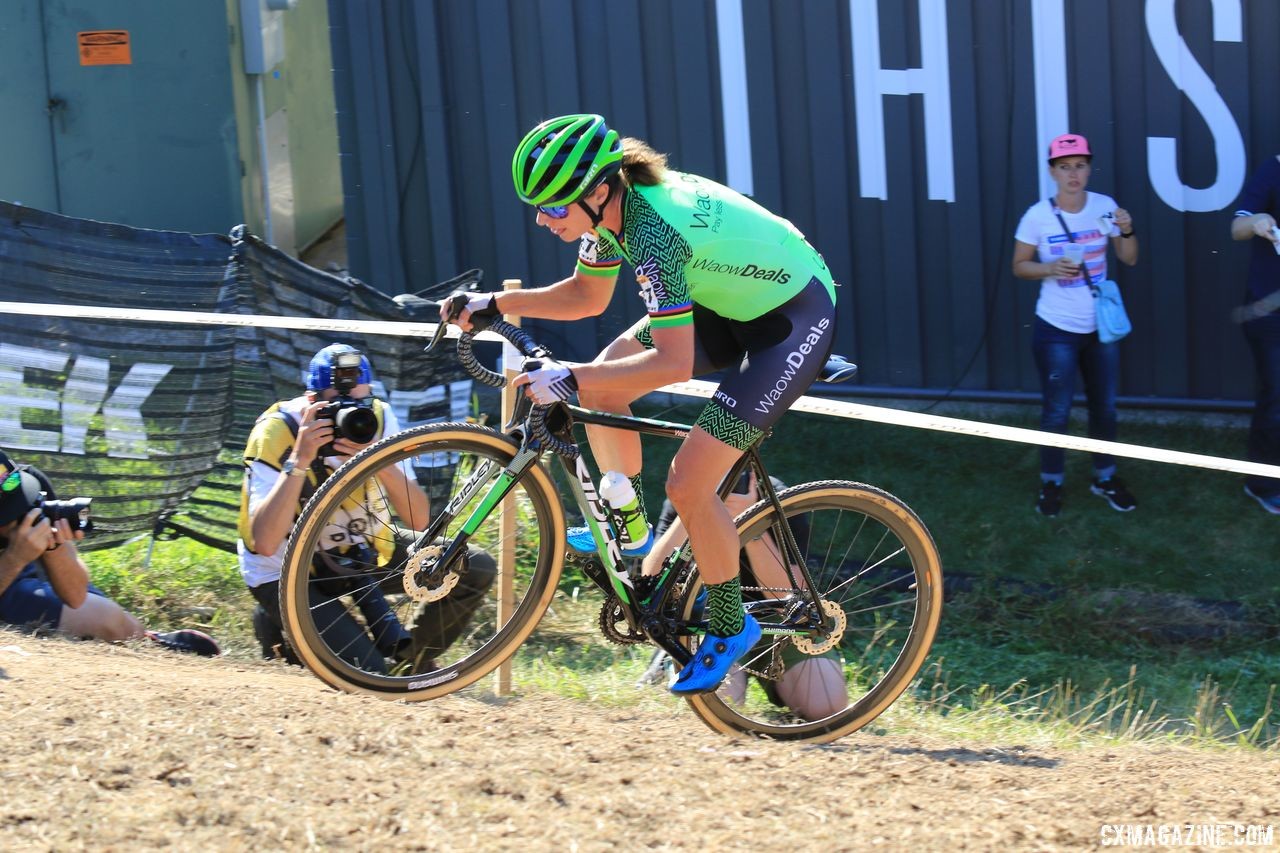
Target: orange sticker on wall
{"x": 104, "y": 47}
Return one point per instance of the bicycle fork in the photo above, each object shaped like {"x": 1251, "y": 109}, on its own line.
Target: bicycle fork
{"x": 503, "y": 484}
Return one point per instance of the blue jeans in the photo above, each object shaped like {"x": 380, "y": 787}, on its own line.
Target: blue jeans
{"x": 342, "y": 633}
{"x": 1263, "y": 336}
{"x": 1058, "y": 354}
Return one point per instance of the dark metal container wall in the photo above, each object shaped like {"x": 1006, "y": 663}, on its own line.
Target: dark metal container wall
{"x": 904, "y": 137}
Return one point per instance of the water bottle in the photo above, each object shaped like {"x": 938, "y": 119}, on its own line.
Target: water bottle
{"x": 628, "y": 521}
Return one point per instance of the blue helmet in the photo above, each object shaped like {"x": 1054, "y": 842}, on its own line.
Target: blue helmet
{"x": 320, "y": 371}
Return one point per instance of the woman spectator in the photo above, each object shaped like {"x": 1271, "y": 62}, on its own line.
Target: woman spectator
{"x": 1065, "y": 338}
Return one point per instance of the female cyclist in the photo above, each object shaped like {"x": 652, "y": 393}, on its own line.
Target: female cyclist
{"x": 726, "y": 284}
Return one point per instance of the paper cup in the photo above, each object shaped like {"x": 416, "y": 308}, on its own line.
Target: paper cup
{"x": 1073, "y": 252}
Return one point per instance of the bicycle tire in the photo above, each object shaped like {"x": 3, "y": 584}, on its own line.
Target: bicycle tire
{"x": 538, "y": 546}
{"x": 872, "y": 684}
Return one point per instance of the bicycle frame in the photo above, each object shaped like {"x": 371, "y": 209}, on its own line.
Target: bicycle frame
{"x": 643, "y": 616}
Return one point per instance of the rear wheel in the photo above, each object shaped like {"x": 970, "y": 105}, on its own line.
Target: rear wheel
{"x": 879, "y": 577}
{"x": 368, "y": 613}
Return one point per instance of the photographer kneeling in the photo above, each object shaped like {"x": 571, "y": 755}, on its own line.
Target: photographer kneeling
{"x": 293, "y": 447}
{"x": 43, "y": 581}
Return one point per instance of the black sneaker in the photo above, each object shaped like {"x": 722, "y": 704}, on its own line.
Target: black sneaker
{"x": 187, "y": 640}
{"x": 1271, "y": 504}
{"x": 1049, "y": 503}
{"x": 1116, "y": 494}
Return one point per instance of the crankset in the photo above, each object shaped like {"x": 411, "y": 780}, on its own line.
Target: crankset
{"x": 614, "y": 625}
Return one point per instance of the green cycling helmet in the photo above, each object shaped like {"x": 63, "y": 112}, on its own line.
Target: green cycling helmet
{"x": 563, "y": 159}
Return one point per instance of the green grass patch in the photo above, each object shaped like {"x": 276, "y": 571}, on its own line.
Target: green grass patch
{"x": 178, "y": 584}
{"x": 1085, "y": 628}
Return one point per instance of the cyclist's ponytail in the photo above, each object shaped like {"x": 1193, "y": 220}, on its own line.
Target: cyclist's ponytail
{"x": 641, "y": 165}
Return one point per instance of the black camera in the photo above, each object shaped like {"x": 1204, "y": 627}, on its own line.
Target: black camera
{"x": 352, "y": 419}
{"x": 74, "y": 510}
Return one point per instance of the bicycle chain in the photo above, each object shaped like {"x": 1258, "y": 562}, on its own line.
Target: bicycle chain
{"x": 615, "y": 628}
{"x": 773, "y": 672}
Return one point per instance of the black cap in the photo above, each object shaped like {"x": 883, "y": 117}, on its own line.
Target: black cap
{"x": 18, "y": 496}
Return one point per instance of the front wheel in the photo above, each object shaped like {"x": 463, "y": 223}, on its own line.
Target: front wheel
{"x": 366, "y": 601}
{"x": 879, "y": 578}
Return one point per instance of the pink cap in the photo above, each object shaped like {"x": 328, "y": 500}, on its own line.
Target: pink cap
{"x": 1069, "y": 145}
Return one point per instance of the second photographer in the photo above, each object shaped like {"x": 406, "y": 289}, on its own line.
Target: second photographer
{"x": 43, "y": 581}
{"x": 294, "y": 446}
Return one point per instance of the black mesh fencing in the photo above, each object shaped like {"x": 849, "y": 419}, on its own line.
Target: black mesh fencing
{"x": 150, "y": 419}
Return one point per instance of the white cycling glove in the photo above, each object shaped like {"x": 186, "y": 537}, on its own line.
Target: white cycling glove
{"x": 551, "y": 383}
{"x": 483, "y": 305}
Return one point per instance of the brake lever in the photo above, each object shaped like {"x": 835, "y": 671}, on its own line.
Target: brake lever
{"x": 455, "y": 304}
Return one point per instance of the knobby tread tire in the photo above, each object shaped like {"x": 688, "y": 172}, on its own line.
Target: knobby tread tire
{"x": 301, "y": 632}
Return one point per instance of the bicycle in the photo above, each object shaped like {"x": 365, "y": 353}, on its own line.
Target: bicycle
{"x": 868, "y": 584}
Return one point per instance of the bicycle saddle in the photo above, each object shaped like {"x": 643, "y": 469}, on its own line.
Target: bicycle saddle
{"x": 417, "y": 308}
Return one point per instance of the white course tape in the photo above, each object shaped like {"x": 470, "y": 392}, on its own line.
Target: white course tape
{"x": 692, "y": 388}
{"x": 210, "y": 318}
{"x": 842, "y": 409}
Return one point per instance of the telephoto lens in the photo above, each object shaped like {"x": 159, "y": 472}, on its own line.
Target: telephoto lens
{"x": 74, "y": 510}
{"x": 352, "y": 419}
{"x": 355, "y": 422}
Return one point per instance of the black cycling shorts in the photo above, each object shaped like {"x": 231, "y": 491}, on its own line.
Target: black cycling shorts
{"x": 770, "y": 361}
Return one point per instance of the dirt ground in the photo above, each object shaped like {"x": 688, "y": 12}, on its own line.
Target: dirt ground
{"x": 125, "y": 748}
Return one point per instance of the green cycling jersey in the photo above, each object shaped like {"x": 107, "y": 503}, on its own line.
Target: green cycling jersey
{"x": 693, "y": 241}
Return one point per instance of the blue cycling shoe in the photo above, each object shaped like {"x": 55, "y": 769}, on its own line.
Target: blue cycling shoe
{"x": 708, "y": 668}
{"x": 581, "y": 540}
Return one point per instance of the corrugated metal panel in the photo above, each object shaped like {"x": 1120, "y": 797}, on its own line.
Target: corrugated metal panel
{"x": 905, "y": 138}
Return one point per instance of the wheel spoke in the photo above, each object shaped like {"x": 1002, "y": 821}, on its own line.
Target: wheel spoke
{"x": 878, "y": 579}
{"x": 369, "y": 610}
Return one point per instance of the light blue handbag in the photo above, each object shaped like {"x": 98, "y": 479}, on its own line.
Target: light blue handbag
{"x": 1113, "y": 321}
{"x": 1108, "y": 306}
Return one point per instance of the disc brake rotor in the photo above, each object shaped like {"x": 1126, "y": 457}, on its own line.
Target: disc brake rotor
{"x": 830, "y": 611}
{"x": 427, "y": 557}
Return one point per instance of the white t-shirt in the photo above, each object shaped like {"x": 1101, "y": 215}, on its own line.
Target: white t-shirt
{"x": 1068, "y": 303}
{"x": 344, "y": 528}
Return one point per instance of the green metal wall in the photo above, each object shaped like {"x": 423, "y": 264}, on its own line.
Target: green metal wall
{"x": 167, "y": 141}
{"x": 26, "y": 157}
{"x": 904, "y": 137}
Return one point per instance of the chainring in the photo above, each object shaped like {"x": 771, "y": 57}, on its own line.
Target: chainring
{"x": 614, "y": 625}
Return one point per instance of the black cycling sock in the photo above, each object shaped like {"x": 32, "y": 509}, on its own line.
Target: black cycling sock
{"x": 724, "y": 607}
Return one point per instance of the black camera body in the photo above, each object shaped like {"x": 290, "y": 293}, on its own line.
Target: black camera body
{"x": 74, "y": 510}
{"x": 352, "y": 419}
